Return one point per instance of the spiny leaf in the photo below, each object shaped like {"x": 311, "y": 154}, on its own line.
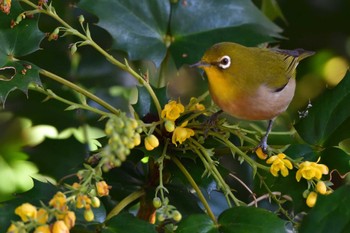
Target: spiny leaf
{"x": 328, "y": 120}
{"x": 150, "y": 29}
{"x": 15, "y": 42}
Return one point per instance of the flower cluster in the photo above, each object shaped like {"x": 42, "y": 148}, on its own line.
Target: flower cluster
{"x": 39, "y": 218}
{"x": 124, "y": 135}
{"x": 312, "y": 172}
{"x": 279, "y": 163}
{"x": 166, "y": 211}
{"x": 171, "y": 112}
{"x": 57, "y": 216}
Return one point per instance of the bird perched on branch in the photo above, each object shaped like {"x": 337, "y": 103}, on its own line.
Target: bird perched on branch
{"x": 251, "y": 83}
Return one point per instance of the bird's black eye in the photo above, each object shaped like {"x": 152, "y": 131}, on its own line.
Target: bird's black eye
{"x": 224, "y": 62}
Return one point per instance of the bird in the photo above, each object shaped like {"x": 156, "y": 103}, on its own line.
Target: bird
{"x": 251, "y": 83}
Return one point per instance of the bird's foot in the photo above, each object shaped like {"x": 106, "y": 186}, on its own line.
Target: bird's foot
{"x": 262, "y": 146}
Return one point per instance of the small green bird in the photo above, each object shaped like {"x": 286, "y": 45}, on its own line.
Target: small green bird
{"x": 251, "y": 83}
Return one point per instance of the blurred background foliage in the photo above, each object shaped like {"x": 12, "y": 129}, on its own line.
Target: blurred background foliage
{"x": 317, "y": 25}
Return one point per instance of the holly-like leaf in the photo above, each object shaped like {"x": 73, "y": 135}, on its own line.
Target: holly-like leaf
{"x": 16, "y": 42}
{"x": 250, "y": 219}
{"x": 198, "y": 24}
{"x": 136, "y": 27}
{"x": 24, "y": 74}
{"x": 331, "y": 213}
{"x": 328, "y": 120}
{"x": 148, "y": 29}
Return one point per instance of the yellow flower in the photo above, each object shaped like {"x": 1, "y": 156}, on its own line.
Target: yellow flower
{"x": 42, "y": 229}
{"x": 260, "y": 153}
{"x": 102, "y": 188}
{"x": 181, "y": 133}
{"x": 151, "y": 142}
{"x": 311, "y": 170}
{"x": 311, "y": 199}
{"x": 83, "y": 201}
{"x": 69, "y": 219}
{"x": 279, "y": 163}
{"x": 42, "y": 216}
{"x": 172, "y": 110}
{"x": 26, "y": 211}
{"x": 59, "y": 201}
{"x": 60, "y": 227}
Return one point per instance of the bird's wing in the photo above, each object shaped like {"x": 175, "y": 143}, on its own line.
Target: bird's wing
{"x": 291, "y": 60}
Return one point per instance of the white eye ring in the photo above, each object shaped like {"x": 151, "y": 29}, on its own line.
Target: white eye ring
{"x": 224, "y": 62}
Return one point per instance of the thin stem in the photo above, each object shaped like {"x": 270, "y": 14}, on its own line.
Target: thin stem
{"x": 88, "y": 40}
{"x": 196, "y": 188}
{"x": 215, "y": 173}
{"x": 249, "y": 160}
{"x": 125, "y": 202}
{"x": 51, "y": 94}
{"x": 79, "y": 90}
{"x": 274, "y": 198}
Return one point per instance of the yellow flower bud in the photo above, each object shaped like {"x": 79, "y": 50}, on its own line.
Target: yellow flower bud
{"x": 311, "y": 199}
{"x": 60, "y": 227}
{"x": 102, "y": 188}
{"x": 169, "y": 126}
{"x": 95, "y": 202}
{"x": 42, "y": 216}
{"x": 43, "y": 229}
{"x": 26, "y": 211}
{"x": 321, "y": 187}
{"x": 69, "y": 219}
{"x": 157, "y": 203}
{"x": 260, "y": 153}
{"x": 137, "y": 139}
{"x": 89, "y": 215}
{"x": 177, "y": 216}
{"x": 151, "y": 142}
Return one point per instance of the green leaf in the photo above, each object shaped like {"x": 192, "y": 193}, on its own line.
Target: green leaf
{"x": 18, "y": 41}
{"x": 145, "y": 106}
{"x": 22, "y": 39}
{"x": 250, "y": 219}
{"x": 331, "y": 213}
{"x": 199, "y": 24}
{"x": 336, "y": 159}
{"x": 272, "y": 10}
{"x": 199, "y": 223}
{"x": 187, "y": 28}
{"x": 126, "y": 223}
{"x": 328, "y": 120}
{"x": 137, "y": 28}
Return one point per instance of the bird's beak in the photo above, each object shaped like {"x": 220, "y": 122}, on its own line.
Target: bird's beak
{"x": 200, "y": 64}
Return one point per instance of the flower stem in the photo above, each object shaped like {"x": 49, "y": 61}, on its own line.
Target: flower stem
{"x": 196, "y": 188}
{"x": 125, "y": 202}
{"x": 79, "y": 90}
